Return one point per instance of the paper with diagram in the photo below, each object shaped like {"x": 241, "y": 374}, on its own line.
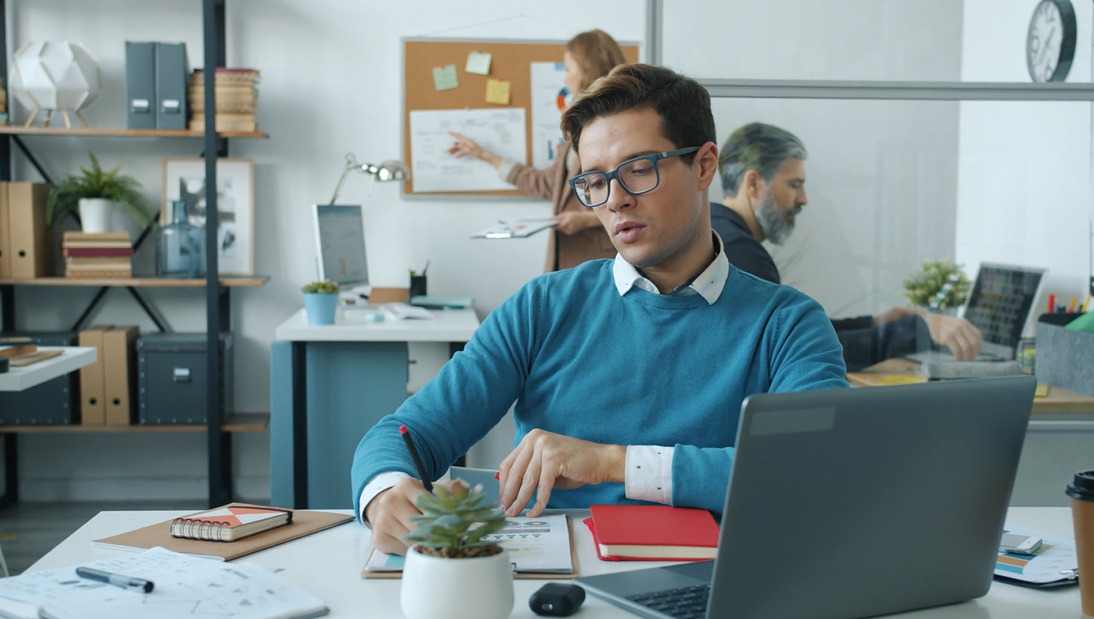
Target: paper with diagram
{"x": 500, "y": 131}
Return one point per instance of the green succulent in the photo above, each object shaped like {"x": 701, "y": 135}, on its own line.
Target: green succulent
{"x": 64, "y": 197}
{"x": 321, "y": 287}
{"x": 938, "y": 284}
{"x": 454, "y": 520}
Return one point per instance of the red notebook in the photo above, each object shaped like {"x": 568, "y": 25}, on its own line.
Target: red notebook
{"x": 652, "y": 533}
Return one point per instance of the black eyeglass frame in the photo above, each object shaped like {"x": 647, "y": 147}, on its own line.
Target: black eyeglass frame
{"x": 608, "y": 176}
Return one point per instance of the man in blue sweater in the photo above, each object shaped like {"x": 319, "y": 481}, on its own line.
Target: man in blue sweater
{"x": 763, "y": 179}
{"x": 627, "y": 374}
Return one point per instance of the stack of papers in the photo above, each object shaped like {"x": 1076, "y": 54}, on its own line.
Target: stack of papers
{"x": 1054, "y": 563}
{"x": 185, "y": 586}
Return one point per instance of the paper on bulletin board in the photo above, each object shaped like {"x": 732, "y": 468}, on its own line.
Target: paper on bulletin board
{"x": 549, "y": 98}
{"x": 478, "y": 63}
{"x": 444, "y": 78}
{"x": 500, "y": 131}
{"x": 497, "y": 91}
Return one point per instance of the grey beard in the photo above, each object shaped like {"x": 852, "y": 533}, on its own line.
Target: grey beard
{"x": 775, "y": 224}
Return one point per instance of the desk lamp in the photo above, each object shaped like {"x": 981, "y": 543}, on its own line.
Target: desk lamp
{"x": 389, "y": 170}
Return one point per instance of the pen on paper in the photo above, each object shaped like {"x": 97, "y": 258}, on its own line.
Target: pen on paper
{"x": 417, "y": 459}
{"x": 139, "y": 585}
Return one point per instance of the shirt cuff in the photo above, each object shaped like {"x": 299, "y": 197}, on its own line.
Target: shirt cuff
{"x": 504, "y": 168}
{"x": 648, "y": 474}
{"x": 381, "y": 482}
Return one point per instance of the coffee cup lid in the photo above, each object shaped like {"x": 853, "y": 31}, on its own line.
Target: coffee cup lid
{"x": 1082, "y": 487}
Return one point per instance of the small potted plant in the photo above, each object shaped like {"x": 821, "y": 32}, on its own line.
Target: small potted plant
{"x": 95, "y": 192}
{"x": 451, "y": 570}
{"x": 320, "y": 302}
{"x": 939, "y": 285}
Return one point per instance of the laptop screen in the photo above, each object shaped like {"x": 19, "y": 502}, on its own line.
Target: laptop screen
{"x": 1001, "y": 301}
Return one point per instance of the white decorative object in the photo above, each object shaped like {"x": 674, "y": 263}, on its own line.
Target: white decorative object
{"x": 473, "y": 588}
{"x": 54, "y": 76}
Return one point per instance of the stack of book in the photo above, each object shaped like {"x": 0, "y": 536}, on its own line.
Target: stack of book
{"x": 101, "y": 254}
{"x": 236, "y": 98}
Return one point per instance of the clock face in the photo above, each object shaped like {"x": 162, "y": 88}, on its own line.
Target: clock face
{"x": 1050, "y": 41}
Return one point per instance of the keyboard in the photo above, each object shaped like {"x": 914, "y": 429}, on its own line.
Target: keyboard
{"x": 682, "y": 603}
{"x": 402, "y": 311}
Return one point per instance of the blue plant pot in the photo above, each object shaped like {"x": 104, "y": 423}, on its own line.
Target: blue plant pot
{"x": 320, "y": 307}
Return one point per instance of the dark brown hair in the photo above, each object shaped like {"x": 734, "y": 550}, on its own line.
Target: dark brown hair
{"x": 681, "y": 102}
{"x": 596, "y": 52}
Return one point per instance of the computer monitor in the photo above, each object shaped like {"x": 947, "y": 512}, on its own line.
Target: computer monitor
{"x": 1000, "y": 305}
{"x": 340, "y": 245}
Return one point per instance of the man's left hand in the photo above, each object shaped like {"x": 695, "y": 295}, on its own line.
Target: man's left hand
{"x": 544, "y": 460}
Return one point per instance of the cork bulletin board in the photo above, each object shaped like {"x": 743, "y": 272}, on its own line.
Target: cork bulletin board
{"x": 510, "y": 62}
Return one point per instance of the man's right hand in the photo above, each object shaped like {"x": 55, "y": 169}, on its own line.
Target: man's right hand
{"x": 389, "y": 514}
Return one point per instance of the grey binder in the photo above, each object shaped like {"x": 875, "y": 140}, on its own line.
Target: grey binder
{"x": 140, "y": 85}
{"x": 172, "y": 69}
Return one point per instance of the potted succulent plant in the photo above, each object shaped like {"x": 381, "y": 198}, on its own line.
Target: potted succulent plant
{"x": 95, "y": 192}
{"x": 320, "y": 302}
{"x": 938, "y": 285}
{"x": 451, "y": 571}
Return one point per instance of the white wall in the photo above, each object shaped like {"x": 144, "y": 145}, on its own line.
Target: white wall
{"x": 1024, "y": 192}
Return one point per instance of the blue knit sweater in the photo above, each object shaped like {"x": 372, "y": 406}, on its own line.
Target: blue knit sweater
{"x": 639, "y": 369}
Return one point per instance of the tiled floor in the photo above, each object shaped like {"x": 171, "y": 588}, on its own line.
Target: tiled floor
{"x": 29, "y": 530}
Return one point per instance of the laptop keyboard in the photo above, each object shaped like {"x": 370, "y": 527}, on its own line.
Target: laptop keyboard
{"x": 682, "y": 603}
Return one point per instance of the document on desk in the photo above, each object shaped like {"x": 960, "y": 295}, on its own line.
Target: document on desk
{"x": 1055, "y": 563}
{"x": 516, "y": 229}
{"x": 539, "y": 547}
{"x": 185, "y": 586}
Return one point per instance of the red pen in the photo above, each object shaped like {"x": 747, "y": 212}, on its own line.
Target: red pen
{"x": 1051, "y": 303}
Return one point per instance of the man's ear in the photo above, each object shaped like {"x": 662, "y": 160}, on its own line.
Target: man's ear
{"x": 706, "y": 162}
{"x": 753, "y": 184}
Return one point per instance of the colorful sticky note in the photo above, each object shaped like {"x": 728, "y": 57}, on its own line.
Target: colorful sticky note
{"x": 497, "y": 91}
{"x": 444, "y": 78}
{"x": 478, "y": 62}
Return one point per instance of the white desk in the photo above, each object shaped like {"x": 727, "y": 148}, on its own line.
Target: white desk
{"x": 73, "y": 358}
{"x": 328, "y": 564}
{"x": 328, "y": 385}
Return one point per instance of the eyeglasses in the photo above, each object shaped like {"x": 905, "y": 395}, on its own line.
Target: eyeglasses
{"x": 638, "y": 176}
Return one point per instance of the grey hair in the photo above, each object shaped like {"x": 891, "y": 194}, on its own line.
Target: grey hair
{"x": 756, "y": 146}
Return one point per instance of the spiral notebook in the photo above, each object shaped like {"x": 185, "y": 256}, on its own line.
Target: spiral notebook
{"x": 230, "y": 522}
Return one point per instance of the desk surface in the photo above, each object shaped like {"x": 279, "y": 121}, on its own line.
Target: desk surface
{"x": 328, "y": 564}
{"x": 1058, "y": 400}
{"x": 73, "y": 358}
{"x": 454, "y": 325}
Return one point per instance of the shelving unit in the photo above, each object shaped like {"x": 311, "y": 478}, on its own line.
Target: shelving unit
{"x": 220, "y": 424}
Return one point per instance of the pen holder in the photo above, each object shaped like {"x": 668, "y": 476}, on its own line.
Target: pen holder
{"x": 417, "y": 285}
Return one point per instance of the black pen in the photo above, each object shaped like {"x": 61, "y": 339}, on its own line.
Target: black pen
{"x": 417, "y": 459}
{"x": 139, "y": 585}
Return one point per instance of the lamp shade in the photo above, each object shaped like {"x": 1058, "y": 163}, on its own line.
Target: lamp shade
{"x": 388, "y": 170}
{"x": 54, "y": 75}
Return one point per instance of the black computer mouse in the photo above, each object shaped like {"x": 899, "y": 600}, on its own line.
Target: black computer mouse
{"x": 556, "y": 599}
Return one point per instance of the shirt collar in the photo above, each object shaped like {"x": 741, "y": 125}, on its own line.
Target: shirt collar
{"x": 709, "y": 283}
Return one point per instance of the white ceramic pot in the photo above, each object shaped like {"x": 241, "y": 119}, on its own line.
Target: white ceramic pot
{"x": 476, "y": 588}
{"x": 96, "y": 214}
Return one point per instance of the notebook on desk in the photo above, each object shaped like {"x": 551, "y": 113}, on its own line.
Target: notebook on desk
{"x": 999, "y": 305}
{"x": 852, "y": 503}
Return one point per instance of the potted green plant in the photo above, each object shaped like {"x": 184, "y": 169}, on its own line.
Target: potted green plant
{"x": 938, "y": 285}
{"x": 451, "y": 569}
{"x": 95, "y": 192}
{"x": 320, "y": 302}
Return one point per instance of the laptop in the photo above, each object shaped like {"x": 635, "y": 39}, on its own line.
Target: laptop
{"x": 1000, "y": 305}
{"x": 852, "y": 503}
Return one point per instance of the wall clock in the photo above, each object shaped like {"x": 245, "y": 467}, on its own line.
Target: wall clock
{"x": 1050, "y": 41}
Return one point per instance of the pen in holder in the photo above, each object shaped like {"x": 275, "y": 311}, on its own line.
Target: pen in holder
{"x": 417, "y": 285}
